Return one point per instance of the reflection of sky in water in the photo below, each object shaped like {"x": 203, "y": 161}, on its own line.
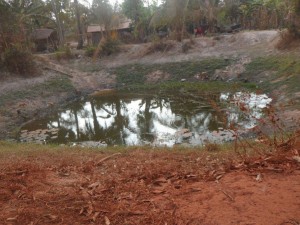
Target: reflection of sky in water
{"x": 252, "y": 103}
{"x": 138, "y": 121}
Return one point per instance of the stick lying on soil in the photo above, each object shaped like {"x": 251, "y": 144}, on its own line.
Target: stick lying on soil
{"x": 106, "y": 158}
{"x": 59, "y": 71}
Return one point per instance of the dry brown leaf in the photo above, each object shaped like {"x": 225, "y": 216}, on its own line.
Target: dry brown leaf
{"x": 258, "y": 177}
{"x": 51, "y": 217}
{"x": 94, "y": 185}
{"x": 107, "y": 222}
{"x": 296, "y": 158}
{"x": 160, "y": 180}
{"x": 81, "y": 211}
{"x": 158, "y": 191}
{"x": 90, "y": 209}
{"x": 219, "y": 177}
{"x": 12, "y": 218}
{"x": 96, "y": 214}
{"x": 196, "y": 189}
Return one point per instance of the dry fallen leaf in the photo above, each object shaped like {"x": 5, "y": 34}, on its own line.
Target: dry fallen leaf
{"x": 258, "y": 177}
{"x": 81, "y": 211}
{"x": 50, "y": 217}
{"x": 107, "y": 222}
{"x": 90, "y": 209}
{"x": 96, "y": 214}
{"x": 158, "y": 191}
{"x": 296, "y": 158}
{"x": 94, "y": 185}
{"x": 12, "y": 218}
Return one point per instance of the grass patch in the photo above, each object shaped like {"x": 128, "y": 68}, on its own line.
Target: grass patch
{"x": 136, "y": 73}
{"x": 48, "y": 88}
{"x": 286, "y": 70}
{"x": 195, "y": 87}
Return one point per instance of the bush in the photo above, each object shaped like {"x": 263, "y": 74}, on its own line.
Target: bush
{"x": 110, "y": 46}
{"x": 64, "y": 53}
{"x": 287, "y": 38}
{"x": 187, "y": 45}
{"x": 107, "y": 47}
{"x": 18, "y": 60}
{"x": 90, "y": 50}
{"x": 160, "y": 45}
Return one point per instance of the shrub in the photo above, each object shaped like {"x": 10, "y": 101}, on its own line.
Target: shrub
{"x": 110, "y": 46}
{"x": 90, "y": 50}
{"x": 18, "y": 60}
{"x": 159, "y": 45}
{"x": 64, "y": 53}
{"x": 187, "y": 45}
{"x": 287, "y": 39}
{"x": 106, "y": 47}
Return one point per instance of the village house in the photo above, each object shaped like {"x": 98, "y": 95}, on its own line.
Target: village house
{"x": 95, "y": 32}
{"x": 45, "y": 39}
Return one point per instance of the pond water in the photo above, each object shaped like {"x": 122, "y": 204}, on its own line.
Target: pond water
{"x": 149, "y": 119}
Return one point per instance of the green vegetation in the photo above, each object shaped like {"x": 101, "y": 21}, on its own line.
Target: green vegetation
{"x": 195, "y": 87}
{"x": 285, "y": 70}
{"x": 53, "y": 85}
{"x": 136, "y": 74}
{"x": 31, "y": 149}
{"x": 19, "y": 60}
{"x": 64, "y": 54}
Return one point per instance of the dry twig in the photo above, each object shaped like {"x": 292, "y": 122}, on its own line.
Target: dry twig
{"x": 106, "y": 158}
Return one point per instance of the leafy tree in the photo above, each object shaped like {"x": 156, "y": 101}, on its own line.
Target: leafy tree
{"x": 80, "y": 33}
{"x": 133, "y": 9}
{"x": 101, "y": 13}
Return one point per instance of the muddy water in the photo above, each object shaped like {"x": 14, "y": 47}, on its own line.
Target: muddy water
{"x": 162, "y": 120}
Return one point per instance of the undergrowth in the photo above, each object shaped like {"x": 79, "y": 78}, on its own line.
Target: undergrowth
{"x": 136, "y": 73}
{"x": 212, "y": 87}
{"x": 53, "y": 85}
{"x": 285, "y": 71}
{"x": 19, "y": 60}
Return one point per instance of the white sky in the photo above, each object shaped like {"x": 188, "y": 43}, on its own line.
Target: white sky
{"x": 112, "y": 2}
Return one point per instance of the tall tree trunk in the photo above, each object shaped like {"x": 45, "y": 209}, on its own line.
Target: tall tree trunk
{"x": 80, "y": 34}
{"x": 183, "y": 19}
{"x": 58, "y": 23}
{"x": 77, "y": 124}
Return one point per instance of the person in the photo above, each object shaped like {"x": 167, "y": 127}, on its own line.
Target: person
{"x": 199, "y": 31}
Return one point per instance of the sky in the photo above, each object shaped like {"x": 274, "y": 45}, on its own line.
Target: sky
{"x": 120, "y": 1}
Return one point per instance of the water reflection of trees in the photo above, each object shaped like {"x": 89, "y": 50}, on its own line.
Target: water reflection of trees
{"x": 123, "y": 120}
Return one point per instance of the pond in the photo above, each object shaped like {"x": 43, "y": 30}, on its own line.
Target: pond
{"x": 149, "y": 119}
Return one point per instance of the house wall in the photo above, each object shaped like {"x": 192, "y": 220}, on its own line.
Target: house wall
{"x": 122, "y": 34}
{"x": 96, "y": 37}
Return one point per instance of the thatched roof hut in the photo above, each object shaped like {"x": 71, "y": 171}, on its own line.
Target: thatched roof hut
{"x": 45, "y": 39}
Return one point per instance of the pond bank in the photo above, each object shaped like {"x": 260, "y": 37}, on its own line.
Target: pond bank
{"x": 253, "y": 64}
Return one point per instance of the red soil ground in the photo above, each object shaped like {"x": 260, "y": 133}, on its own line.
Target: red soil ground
{"x": 61, "y": 186}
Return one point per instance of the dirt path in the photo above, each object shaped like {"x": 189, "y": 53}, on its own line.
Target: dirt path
{"x": 147, "y": 187}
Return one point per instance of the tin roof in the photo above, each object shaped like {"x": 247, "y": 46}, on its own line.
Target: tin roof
{"x": 120, "y": 26}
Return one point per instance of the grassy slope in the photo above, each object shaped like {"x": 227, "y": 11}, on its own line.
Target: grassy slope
{"x": 48, "y": 88}
{"x": 285, "y": 70}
